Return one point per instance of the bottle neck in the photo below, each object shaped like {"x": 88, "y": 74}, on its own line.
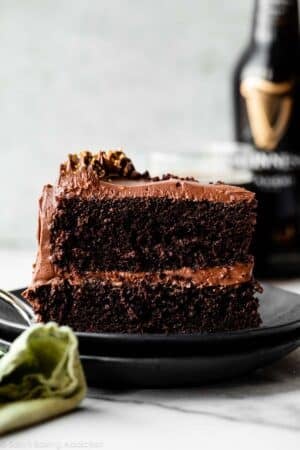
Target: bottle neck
{"x": 276, "y": 22}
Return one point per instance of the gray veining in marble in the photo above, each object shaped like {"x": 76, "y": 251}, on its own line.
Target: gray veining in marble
{"x": 268, "y": 397}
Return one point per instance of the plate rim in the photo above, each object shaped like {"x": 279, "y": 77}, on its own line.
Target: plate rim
{"x": 203, "y": 338}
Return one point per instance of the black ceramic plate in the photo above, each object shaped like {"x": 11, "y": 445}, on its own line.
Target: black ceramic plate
{"x": 167, "y": 372}
{"x": 183, "y": 360}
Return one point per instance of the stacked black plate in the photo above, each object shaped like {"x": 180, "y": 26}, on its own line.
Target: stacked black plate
{"x": 122, "y": 360}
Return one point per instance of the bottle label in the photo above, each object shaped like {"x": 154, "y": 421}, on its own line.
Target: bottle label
{"x": 269, "y": 107}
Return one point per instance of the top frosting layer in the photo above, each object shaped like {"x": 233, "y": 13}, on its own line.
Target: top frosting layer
{"x": 112, "y": 174}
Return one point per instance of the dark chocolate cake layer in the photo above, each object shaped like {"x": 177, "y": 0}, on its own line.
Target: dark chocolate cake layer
{"x": 142, "y": 306}
{"x": 149, "y": 233}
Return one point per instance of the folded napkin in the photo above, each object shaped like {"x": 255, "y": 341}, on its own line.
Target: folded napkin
{"x": 40, "y": 377}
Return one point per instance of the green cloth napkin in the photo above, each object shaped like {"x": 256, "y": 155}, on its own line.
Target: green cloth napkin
{"x": 40, "y": 376}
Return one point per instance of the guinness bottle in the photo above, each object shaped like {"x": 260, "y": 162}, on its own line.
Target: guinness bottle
{"x": 267, "y": 118}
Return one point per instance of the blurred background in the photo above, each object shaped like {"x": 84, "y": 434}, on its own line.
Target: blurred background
{"x": 138, "y": 74}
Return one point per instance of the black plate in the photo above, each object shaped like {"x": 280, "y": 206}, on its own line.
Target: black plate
{"x": 170, "y": 372}
{"x": 147, "y": 360}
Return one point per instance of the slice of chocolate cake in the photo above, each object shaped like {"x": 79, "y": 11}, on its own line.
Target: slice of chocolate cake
{"x": 122, "y": 252}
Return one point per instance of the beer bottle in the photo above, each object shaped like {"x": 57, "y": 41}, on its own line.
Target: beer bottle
{"x": 267, "y": 118}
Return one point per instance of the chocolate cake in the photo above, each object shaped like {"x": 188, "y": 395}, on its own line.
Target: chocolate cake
{"x": 122, "y": 252}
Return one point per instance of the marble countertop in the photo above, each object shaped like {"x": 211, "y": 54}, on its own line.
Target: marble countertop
{"x": 261, "y": 410}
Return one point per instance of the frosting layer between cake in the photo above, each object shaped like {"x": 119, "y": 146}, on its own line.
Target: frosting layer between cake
{"x": 211, "y": 276}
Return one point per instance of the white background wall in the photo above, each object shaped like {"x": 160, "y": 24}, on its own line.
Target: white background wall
{"x": 78, "y": 74}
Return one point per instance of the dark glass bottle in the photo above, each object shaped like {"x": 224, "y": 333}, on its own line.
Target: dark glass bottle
{"x": 267, "y": 118}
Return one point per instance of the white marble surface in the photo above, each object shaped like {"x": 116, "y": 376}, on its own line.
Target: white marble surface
{"x": 261, "y": 410}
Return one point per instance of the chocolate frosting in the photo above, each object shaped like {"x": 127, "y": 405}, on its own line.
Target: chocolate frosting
{"x": 105, "y": 165}
{"x": 112, "y": 174}
{"x": 209, "y": 276}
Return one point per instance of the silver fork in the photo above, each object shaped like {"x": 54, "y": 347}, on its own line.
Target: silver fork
{"x": 20, "y": 306}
